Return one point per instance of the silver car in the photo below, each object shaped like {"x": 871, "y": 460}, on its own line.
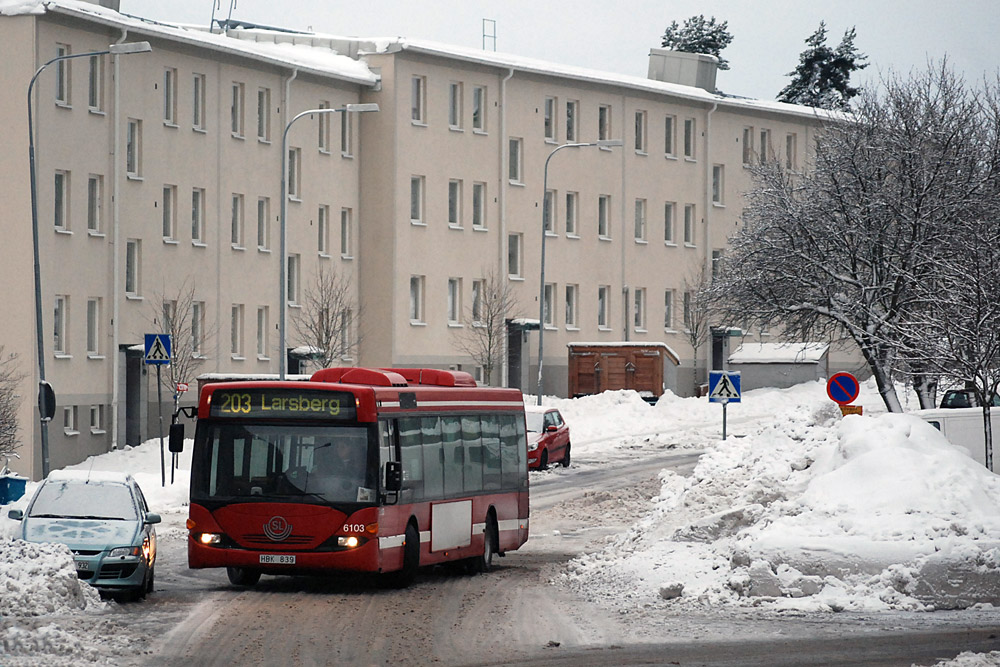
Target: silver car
{"x": 104, "y": 520}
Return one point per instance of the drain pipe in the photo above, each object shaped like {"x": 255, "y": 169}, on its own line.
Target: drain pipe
{"x": 707, "y": 269}
{"x": 502, "y": 205}
{"x": 115, "y": 244}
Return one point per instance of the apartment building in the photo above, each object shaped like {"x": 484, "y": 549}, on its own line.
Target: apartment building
{"x": 159, "y": 196}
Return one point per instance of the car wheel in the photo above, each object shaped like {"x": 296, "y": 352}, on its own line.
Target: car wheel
{"x": 565, "y": 461}
{"x": 543, "y": 462}
{"x": 152, "y": 576}
{"x": 242, "y": 576}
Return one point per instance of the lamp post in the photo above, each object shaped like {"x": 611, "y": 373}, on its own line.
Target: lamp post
{"x": 283, "y": 280}
{"x": 602, "y": 143}
{"x": 46, "y": 397}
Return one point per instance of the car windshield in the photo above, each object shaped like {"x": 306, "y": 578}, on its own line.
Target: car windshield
{"x": 298, "y": 463}
{"x": 78, "y": 499}
{"x": 534, "y": 421}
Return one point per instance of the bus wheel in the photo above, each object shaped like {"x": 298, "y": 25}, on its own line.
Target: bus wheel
{"x": 242, "y": 576}
{"x": 484, "y": 563}
{"x": 411, "y": 560}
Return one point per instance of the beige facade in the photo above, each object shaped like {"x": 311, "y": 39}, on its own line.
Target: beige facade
{"x": 167, "y": 179}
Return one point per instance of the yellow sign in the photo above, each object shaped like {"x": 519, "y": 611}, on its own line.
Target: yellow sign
{"x": 850, "y": 410}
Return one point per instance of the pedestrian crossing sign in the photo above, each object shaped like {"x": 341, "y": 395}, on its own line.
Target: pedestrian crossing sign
{"x": 157, "y": 350}
{"x": 724, "y": 386}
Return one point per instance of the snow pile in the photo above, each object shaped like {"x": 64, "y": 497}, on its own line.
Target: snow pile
{"x": 40, "y": 579}
{"x": 812, "y": 513}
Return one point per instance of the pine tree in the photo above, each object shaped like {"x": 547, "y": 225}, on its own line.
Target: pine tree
{"x": 699, "y": 36}
{"x": 822, "y": 78}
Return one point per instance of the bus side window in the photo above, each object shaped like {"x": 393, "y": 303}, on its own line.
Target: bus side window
{"x": 412, "y": 457}
{"x": 472, "y": 441}
{"x": 491, "y": 452}
{"x": 433, "y": 458}
{"x": 508, "y": 452}
{"x": 386, "y": 442}
{"x": 454, "y": 459}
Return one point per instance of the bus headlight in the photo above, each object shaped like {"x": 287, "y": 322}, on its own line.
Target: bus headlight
{"x": 350, "y": 542}
{"x": 208, "y": 538}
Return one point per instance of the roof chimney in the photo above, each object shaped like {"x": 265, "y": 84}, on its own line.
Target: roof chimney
{"x": 686, "y": 69}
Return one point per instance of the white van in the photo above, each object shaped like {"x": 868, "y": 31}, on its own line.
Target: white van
{"x": 964, "y": 427}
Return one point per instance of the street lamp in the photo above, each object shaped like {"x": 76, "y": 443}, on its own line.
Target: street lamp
{"x": 602, "y": 143}
{"x": 46, "y": 398}
{"x": 283, "y": 284}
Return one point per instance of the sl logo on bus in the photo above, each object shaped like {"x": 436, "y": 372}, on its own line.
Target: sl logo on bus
{"x": 277, "y": 528}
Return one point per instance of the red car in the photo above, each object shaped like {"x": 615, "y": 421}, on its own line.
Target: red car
{"x": 548, "y": 437}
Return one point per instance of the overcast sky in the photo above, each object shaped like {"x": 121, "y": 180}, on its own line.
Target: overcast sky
{"x": 616, "y": 37}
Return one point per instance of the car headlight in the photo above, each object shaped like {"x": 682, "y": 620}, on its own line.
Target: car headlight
{"x": 122, "y": 552}
{"x": 532, "y": 446}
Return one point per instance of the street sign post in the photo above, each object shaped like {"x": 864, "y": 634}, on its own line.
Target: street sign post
{"x": 724, "y": 387}
{"x": 157, "y": 352}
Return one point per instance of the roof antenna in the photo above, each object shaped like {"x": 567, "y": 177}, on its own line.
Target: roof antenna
{"x": 490, "y": 33}
{"x": 93, "y": 460}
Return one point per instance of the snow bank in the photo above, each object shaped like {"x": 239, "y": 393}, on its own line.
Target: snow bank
{"x": 39, "y": 579}
{"x": 814, "y": 513}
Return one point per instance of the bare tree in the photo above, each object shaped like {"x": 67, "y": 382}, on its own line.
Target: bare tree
{"x": 326, "y": 321}
{"x": 483, "y": 336}
{"x": 174, "y": 314}
{"x": 10, "y": 379}
{"x": 697, "y": 314}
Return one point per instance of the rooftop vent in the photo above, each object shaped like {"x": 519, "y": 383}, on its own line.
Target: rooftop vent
{"x": 687, "y": 69}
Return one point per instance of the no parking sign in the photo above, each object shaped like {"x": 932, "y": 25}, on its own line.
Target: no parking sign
{"x": 843, "y": 388}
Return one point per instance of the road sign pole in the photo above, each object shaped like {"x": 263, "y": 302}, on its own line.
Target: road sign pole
{"x": 159, "y": 405}
{"x": 724, "y": 404}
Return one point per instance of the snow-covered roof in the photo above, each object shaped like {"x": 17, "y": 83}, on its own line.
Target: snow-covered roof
{"x": 779, "y": 353}
{"x": 314, "y": 59}
{"x": 248, "y": 377}
{"x": 92, "y": 476}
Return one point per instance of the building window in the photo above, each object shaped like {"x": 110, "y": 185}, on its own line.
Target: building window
{"x": 548, "y": 304}
{"x": 668, "y": 222}
{"x": 455, "y": 105}
{"x": 791, "y": 146}
{"x": 60, "y": 213}
{"x": 133, "y": 267}
{"x": 479, "y": 206}
{"x": 169, "y": 311}
{"x": 479, "y": 108}
{"x": 640, "y": 131}
{"x": 416, "y": 299}
{"x": 263, "y": 224}
{"x": 669, "y": 124}
{"x": 572, "y": 114}
{"x": 418, "y": 102}
{"x": 345, "y": 233}
{"x": 264, "y": 114}
{"x": 718, "y": 184}
{"x": 170, "y": 96}
{"x": 237, "y": 221}
{"x": 689, "y": 220}
{"x": 640, "y": 219}
{"x": 60, "y": 325}
{"x": 236, "y": 110}
{"x": 346, "y": 317}
{"x": 323, "y": 125}
{"x": 236, "y": 331}
{"x": 603, "y": 122}
{"x": 62, "y": 74}
{"x": 262, "y": 330}
{"x": 514, "y": 254}
{"x": 455, "y": 203}
{"x": 323, "y": 230}
{"x": 765, "y": 146}
{"x": 197, "y": 327}
{"x": 454, "y": 300}
{"x": 97, "y": 419}
{"x": 604, "y": 216}
{"x": 93, "y": 327}
{"x": 688, "y": 309}
{"x": 95, "y": 202}
{"x": 133, "y": 148}
{"x": 295, "y": 173}
{"x": 550, "y": 119}
{"x": 417, "y": 200}
{"x": 294, "y": 269}
{"x": 689, "y": 138}
{"x": 198, "y": 102}
{"x": 70, "y": 424}
{"x": 668, "y": 309}
{"x": 572, "y": 292}
{"x": 95, "y": 87}
{"x": 748, "y": 145}
{"x": 198, "y": 215}
{"x": 639, "y": 309}
{"x": 346, "y": 134}
{"x": 168, "y": 208}
{"x": 515, "y": 156}
{"x": 572, "y": 213}
{"x": 549, "y": 211}
{"x": 478, "y": 290}
{"x": 602, "y": 306}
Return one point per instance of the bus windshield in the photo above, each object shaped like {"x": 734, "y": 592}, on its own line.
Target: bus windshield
{"x": 318, "y": 464}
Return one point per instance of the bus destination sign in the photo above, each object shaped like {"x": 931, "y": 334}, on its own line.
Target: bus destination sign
{"x": 282, "y": 403}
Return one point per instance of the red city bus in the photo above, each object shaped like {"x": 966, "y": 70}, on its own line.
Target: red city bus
{"x": 356, "y": 470}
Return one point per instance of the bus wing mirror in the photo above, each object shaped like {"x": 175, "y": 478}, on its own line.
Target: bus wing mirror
{"x": 393, "y": 476}
{"x": 176, "y": 441}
